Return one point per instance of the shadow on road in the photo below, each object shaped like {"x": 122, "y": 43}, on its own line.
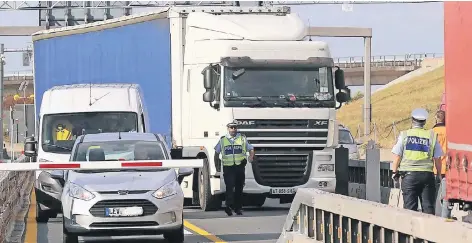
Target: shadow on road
{"x": 247, "y": 213}
{"x": 250, "y": 237}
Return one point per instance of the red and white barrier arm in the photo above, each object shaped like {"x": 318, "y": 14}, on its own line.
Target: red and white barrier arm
{"x": 102, "y": 165}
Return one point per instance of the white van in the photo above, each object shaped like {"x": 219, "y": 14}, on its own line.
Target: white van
{"x": 69, "y": 111}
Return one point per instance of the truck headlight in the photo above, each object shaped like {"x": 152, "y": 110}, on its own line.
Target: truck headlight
{"x": 326, "y": 167}
{"x": 79, "y": 192}
{"x": 167, "y": 190}
{"x": 44, "y": 160}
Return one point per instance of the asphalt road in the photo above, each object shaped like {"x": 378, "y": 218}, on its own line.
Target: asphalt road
{"x": 261, "y": 225}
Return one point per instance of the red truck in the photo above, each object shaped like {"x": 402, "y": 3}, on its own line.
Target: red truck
{"x": 458, "y": 60}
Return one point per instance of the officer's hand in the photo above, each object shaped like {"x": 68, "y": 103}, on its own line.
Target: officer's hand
{"x": 395, "y": 176}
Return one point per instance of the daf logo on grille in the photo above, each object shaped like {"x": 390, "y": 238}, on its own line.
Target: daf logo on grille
{"x": 320, "y": 123}
{"x": 245, "y": 122}
{"x": 122, "y": 193}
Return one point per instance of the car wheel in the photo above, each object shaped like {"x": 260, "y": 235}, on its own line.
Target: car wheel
{"x": 176, "y": 236}
{"x": 41, "y": 215}
{"x": 68, "y": 237}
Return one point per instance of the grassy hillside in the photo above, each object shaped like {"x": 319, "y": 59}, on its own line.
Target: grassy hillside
{"x": 394, "y": 104}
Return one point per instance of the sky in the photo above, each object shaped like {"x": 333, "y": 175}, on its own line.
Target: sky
{"x": 397, "y": 28}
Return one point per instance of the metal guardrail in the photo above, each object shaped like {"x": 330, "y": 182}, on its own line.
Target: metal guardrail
{"x": 14, "y": 190}
{"x": 318, "y": 216}
{"x": 407, "y": 60}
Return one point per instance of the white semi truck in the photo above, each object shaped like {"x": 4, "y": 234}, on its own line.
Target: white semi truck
{"x": 214, "y": 65}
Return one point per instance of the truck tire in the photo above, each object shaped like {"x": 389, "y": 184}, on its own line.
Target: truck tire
{"x": 208, "y": 202}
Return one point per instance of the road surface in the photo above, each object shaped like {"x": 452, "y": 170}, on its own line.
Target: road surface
{"x": 260, "y": 225}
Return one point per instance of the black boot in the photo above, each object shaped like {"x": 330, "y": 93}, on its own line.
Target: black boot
{"x": 238, "y": 211}
{"x": 228, "y": 211}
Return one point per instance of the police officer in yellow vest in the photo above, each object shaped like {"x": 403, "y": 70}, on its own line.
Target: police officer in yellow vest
{"x": 233, "y": 148}
{"x": 416, "y": 152}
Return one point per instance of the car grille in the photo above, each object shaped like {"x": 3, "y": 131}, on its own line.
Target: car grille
{"x": 283, "y": 168}
{"x": 98, "y": 210}
{"x": 123, "y": 224}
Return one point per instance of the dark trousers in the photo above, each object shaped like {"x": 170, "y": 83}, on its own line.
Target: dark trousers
{"x": 419, "y": 185}
{"x": 234, "y": 179}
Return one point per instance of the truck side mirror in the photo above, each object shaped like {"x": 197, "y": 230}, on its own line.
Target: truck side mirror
{"x": 30, "y": 147}
{"x": 208, "y": 96}
{"x": 339, "y": 79}
{"x": 342, "y": 97}
{"x": 208, "y": 81}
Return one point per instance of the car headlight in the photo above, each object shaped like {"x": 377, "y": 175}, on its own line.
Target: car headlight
{"x": 44, "y": 160}
{"x": 79, "y": 192}
{"x": 167, "y": 190}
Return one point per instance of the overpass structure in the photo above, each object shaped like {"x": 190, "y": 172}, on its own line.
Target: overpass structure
{"x": 384, "y": 69}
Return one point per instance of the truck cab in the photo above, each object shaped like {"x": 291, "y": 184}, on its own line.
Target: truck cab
{"x": 281, "y": 90}
{"x": 69, "y": 111}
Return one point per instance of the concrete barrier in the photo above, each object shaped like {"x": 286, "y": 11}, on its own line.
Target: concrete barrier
{"x": 15, "y": 188}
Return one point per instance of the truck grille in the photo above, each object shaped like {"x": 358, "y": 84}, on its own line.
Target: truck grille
{"x": 296, "y": 133}
{"x": 98, "y": 210}
{"x": 282, "y": 168}
{"x": 284, "y": 149}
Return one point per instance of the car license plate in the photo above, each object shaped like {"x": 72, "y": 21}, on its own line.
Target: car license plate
{"x": 124, "y": 212}
{"x": 283, "y": 190}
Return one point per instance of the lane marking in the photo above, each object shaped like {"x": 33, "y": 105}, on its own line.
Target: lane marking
{"x": 31, "y": 234}
{"x": 202, "y": 232}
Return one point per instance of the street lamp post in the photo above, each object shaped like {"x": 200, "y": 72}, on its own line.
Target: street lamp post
{"x": 23, "y": 87}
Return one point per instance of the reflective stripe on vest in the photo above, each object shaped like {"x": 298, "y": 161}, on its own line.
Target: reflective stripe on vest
{"x": 418, "y": 149}
{"x": 233, "y": 153}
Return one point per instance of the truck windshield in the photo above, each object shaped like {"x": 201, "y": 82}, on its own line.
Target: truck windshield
{"x": 310, "y": 85}
{"x": 59, "y": 131}
{"x": 126, "y": 150}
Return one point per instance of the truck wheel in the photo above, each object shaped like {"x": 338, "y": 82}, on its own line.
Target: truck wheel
{"x": 41, "y": 215}
{"x": 208, "y": 202}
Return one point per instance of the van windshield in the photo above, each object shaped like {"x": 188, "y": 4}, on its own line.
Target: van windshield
{"x": 59, "y": 131}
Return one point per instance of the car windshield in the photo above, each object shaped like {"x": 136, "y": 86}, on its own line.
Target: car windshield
{"x": 59, "y": 131}
{"x": 307, "y": 84}
{"x": 124, "y": 150}
{"x": 345, "y": 137}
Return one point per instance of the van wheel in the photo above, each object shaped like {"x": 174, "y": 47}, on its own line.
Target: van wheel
{"x": 41, "y": 215}
{"x": 208, "y": 202}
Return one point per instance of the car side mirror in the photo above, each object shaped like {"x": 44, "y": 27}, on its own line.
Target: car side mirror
{"x": 339, "y": 79}
{"x": 30, "y": 147}
{"x": 58, "y": 175}
{"x": 183, "y": 172}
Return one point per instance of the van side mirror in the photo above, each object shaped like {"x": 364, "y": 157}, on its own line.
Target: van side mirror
{"x": 30, "y": 147}
{"x": 208, "y": 81}
{"x": 339, "y": 79}
{"x": 183, "y": 172}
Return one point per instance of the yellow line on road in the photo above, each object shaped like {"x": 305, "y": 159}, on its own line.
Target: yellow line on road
{"x": 202, "y": 232}
{"x": 31, "y": 235}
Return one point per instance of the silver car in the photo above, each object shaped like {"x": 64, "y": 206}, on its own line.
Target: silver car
{"x": 122, "y": 202}
{"x": 347, "y": 140}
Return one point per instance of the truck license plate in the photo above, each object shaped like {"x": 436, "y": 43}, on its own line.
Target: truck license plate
{"x": 283, "y": 191}
{"x": 124, "y": 212}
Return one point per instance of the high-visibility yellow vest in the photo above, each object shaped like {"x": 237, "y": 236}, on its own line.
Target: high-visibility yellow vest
{"x": 418, "y": 150}
{"x": 233, "y": 154}
{"x": 63, "y": 134}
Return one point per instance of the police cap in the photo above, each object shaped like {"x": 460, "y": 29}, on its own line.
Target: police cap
{"x": 420, "y": 114}
{"x": 232, "y": 124}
